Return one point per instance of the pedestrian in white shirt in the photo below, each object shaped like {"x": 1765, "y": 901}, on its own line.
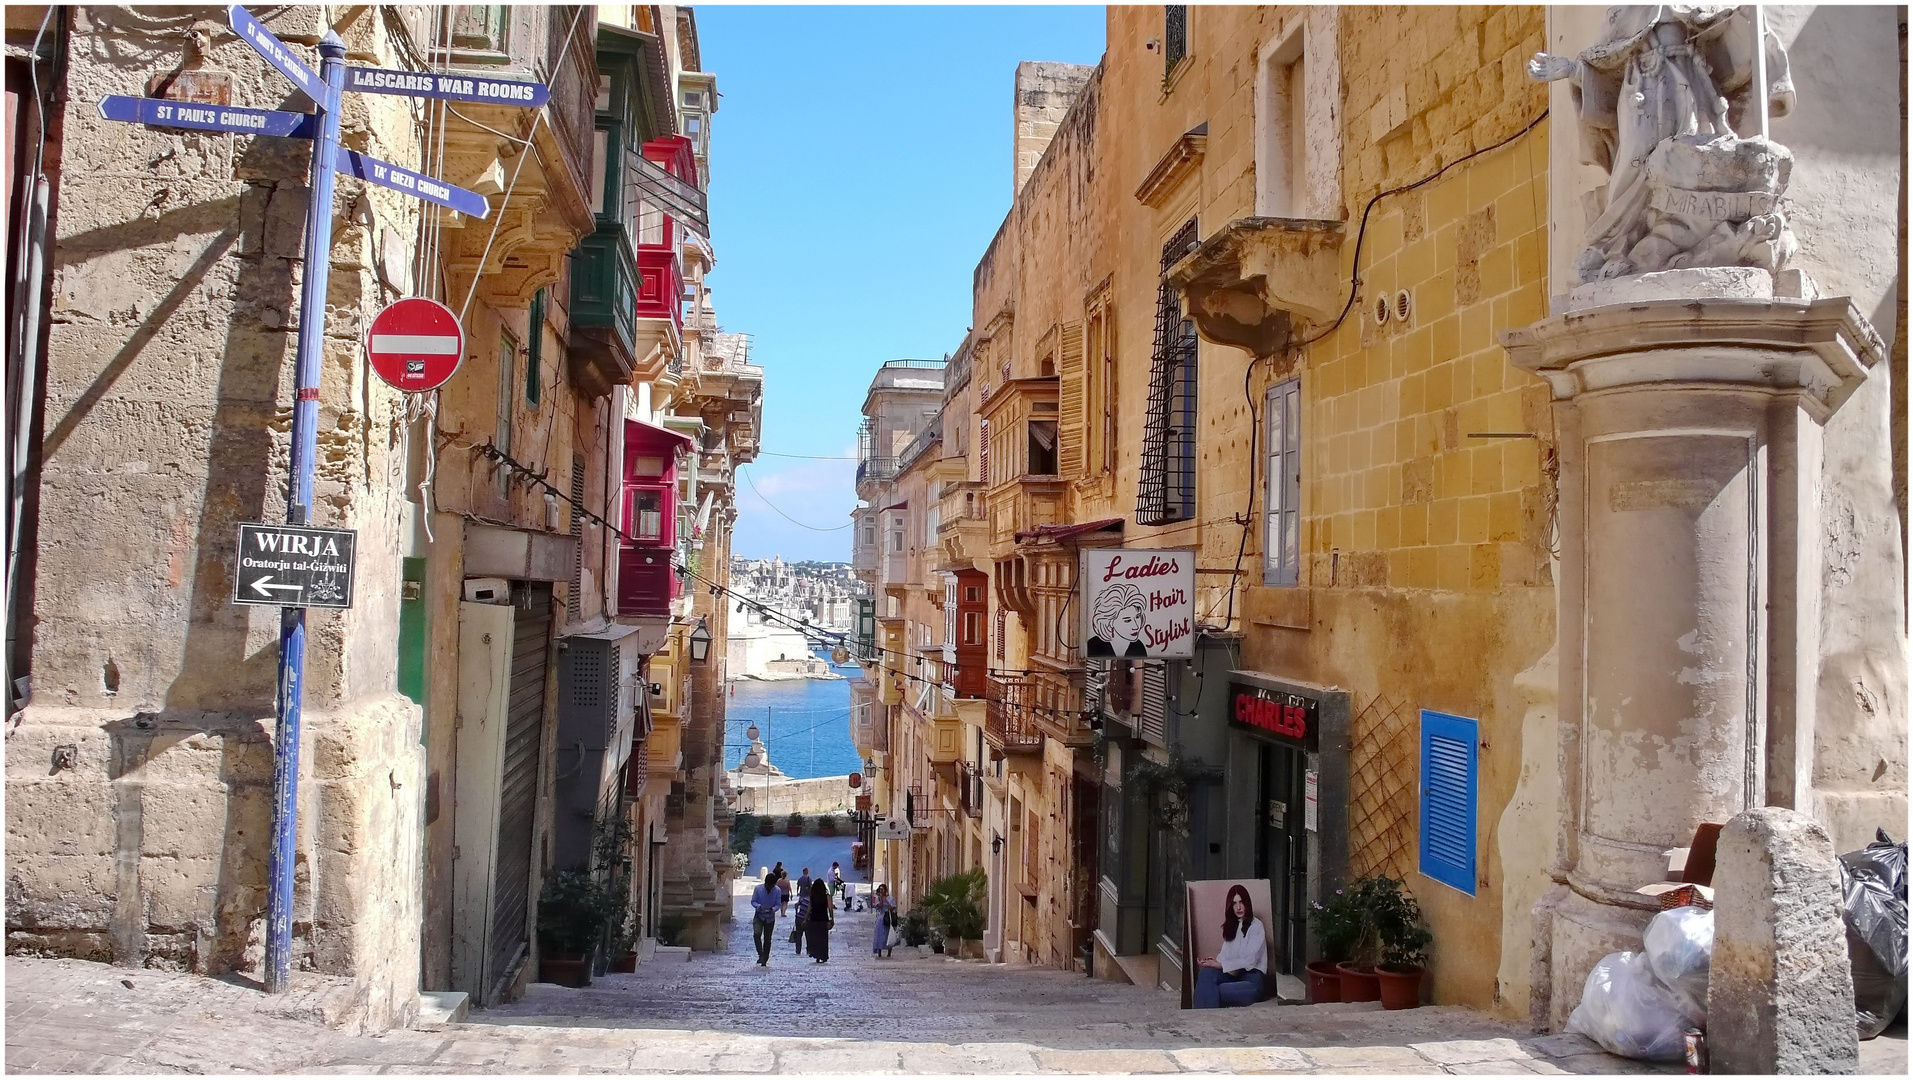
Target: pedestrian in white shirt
{"x": 1235, "y": 974}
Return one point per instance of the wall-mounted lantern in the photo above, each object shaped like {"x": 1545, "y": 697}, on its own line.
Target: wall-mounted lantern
{"x": 700, "y": 643}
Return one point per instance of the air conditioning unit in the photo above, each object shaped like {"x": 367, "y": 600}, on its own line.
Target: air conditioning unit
{"x": 599, "y": 711}
{"x": 488, "y": 590}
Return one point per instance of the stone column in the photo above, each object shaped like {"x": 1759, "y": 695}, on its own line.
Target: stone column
{"x": 1688, "y": 436}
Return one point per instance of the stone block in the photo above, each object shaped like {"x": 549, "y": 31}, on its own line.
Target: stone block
{"x": 60, "y": 892}
{"x": 59, "y": 817}
{"x": 1780, "y": 988}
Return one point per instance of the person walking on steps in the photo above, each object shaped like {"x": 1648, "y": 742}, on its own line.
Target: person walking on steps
{"x": 764, "y": 901}
{"x": 886, "y": 910}
{"x": 783, "y": 884}
{"x": 823, "y": 915}
{"x": 837, "y": 884}
{"x": 803, "y": 881}
{"x": 801, "y": 925}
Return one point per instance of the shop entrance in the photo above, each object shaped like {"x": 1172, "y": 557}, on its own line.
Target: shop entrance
{"x": 1281, "y": 851}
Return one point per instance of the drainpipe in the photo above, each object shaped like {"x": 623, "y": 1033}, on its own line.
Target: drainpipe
{"x": 23, "y": 362}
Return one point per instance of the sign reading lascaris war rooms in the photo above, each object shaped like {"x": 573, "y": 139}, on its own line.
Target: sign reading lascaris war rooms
{"x": 1139, "y": 604}
{"x": 1288, "y": 718}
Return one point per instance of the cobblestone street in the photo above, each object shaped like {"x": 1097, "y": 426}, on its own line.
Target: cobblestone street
{"x": 721, "y": 1013}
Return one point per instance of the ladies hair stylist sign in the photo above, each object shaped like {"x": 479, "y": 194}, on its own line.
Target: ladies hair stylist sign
{"x": 1139, "y": 604}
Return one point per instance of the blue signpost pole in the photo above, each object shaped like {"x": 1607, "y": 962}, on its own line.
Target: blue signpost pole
{"x": 305, "y": 428}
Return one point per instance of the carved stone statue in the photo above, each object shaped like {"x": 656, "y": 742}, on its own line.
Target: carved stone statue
{"x": 1662, "y": 100}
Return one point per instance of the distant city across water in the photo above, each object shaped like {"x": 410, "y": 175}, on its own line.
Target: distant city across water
{"x": 805, "y": 723}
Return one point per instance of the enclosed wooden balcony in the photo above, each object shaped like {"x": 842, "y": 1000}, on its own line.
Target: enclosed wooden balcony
{"x": 1010, "y": 725}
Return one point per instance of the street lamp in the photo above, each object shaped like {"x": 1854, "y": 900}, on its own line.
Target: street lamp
{"x": 700, "y": 643}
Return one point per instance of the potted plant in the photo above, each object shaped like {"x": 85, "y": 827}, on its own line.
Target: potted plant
{"x": 956, "y": 906}
{"x": 1404, "y": 941}
{"x": 1357, "y": 972}
{"x": 1337, "y": 924}
{"x": 572, "y": 910}
{"x": 795, "y": 826}
{"x": 744, "y": 830}
{"x": 915, "y": 928}
{"x": 827, "y": 825}
{"x": 766, "y": 827}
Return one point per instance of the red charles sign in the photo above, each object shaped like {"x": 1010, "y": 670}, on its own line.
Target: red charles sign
{"x": 1288, "y": 718}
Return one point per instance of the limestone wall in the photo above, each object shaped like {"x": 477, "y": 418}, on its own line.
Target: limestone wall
{"x": 169, "y": 395}
{"x": 782, "y": 798}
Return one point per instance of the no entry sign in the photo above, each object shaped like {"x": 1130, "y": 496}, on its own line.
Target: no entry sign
{"x": 415, "y": 344}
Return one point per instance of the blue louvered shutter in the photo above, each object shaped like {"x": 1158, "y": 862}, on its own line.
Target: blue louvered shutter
{"x": 1449, "y": 768}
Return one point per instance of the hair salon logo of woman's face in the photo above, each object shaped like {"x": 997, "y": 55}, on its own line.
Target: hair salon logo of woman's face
{"x": 1118, "y": 618}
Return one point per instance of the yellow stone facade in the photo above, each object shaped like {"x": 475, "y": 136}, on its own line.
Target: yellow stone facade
{"x": 1424, "y": 576}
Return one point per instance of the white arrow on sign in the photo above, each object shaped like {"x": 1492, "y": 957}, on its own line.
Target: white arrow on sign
{"x": 265, "y": 583}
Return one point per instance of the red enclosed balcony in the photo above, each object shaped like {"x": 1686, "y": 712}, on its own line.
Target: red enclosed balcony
{"x": 647, "y": 516}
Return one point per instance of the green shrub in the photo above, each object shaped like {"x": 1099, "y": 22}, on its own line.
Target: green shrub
{"x": 957, "y": 903}
{"x": 573, "y": 912}
{"x": 743, "y": 834}
{"x": 915, "y": 927}
{"x": 671, "y": 928}
{"x": 795, "y": 821}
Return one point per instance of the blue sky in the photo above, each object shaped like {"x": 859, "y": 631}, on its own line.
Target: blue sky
{"x": 860, "y": 164}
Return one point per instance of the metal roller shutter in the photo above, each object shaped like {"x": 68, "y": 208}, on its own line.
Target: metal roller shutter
{"x": 518, "y": 797}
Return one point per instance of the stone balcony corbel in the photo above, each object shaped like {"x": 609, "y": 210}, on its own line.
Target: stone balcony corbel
{"x": 1249, "y": 283}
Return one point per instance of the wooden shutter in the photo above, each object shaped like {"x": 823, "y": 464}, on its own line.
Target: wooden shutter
{"x": 1449, "y": 770}
{"x": 1283, "y": 491}
{"x": 1154, "y": 713}
{"x": 983, "y": 454}
{"x": 1073, "y": 429}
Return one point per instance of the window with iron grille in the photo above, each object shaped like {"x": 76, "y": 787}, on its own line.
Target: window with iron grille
{"x": 1175, "y": 36}
{"x": 1281, "y": 555}
{"x": 1167, "y": 488}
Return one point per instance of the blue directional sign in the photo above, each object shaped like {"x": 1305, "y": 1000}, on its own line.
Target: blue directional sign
{"x": 455, "y": 87}
{"x": 255, "y": 34}
{"x": 386, "y": 174}
{"x": 179, "y": 114}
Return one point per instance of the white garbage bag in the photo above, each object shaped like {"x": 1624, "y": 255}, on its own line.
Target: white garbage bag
{"x": 1680, "y": 946}
{"x": 1627, "y": 1010}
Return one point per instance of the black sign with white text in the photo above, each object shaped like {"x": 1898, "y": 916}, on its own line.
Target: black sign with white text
{"x": 294, "y": 566}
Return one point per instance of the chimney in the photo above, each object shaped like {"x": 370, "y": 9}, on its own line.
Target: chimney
{"x": 1044, "y": 92}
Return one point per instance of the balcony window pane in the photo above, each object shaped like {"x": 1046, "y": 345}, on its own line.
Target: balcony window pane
{"x": 600, "y": 141}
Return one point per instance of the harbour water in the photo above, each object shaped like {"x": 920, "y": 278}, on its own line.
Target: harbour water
{"x": 805, "y": 723}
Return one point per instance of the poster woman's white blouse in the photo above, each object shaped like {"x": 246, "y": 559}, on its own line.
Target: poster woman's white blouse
{"x": 1249, "y": 950}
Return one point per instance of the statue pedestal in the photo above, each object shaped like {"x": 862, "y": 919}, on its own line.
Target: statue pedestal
{"x": 1689, "y": 447}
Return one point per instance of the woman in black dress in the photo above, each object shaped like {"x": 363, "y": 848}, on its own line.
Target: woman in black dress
{"x": 823, "y": 914}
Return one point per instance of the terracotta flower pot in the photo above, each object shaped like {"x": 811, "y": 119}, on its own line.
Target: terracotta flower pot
{"x": 626, "y": 964}
{"x": 765, "y": 828}
{"x": 1325, "y": 983}
{"x": 793, "y": 830}
{"x": 827, "y": 829}
{"x": 1357, "y": 984}
{"x": 1400, "y": 989}
{"x": 572, "y": 970}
